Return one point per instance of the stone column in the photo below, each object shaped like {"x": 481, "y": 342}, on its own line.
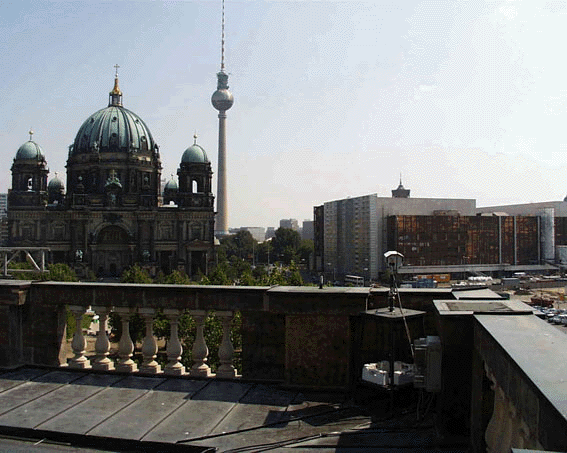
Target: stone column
{"x": 102, "y": 345}
{"x": 200, "y": 349}
{"x": 125, "y": 346}
{"x": 174, "y": 347}
{"x": 79, "y": 343}
{"x": 149, "y": 345}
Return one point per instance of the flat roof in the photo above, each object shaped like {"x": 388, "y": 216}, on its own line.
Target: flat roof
{"x": 148, "y": 413}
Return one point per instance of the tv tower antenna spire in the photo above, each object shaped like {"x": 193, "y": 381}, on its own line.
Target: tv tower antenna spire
{"x": 222, "y": 39}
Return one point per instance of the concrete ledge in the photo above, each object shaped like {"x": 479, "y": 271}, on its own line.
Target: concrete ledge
{"x": 528, "y": 359}
{"x": 470, "y": 307}
{"x": 14, "y": 292}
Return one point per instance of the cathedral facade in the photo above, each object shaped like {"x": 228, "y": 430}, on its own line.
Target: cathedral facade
{"x": 113, "y": 212}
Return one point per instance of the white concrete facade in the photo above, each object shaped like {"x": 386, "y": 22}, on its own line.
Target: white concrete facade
{"x": 560, "y": 208}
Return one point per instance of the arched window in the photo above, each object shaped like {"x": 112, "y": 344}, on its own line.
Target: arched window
{"x": 194, "y": 186}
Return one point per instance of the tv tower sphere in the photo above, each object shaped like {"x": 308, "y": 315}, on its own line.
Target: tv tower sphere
{"x": 222, "y": 99}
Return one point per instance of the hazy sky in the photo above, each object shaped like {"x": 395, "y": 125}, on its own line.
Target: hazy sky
{"x": 332, "y": 99}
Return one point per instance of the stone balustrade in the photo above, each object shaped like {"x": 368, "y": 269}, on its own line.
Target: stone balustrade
{"x": 149, "y": 347}
{"x": 300, "y": 336}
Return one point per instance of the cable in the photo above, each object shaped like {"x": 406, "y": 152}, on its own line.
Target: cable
{"x": 267, "y": 425}
{"x": 272, "y": 445}
{"x": 396, "y": 293}
{"x": 406, "y": 325}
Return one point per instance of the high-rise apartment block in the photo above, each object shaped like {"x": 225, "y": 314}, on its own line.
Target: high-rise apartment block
{"x": 307, "y": 230}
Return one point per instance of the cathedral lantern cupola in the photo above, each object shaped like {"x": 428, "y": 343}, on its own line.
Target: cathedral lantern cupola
{"x": 115, "y": 96}
{"x": 29, "y": 176}
{"x": 195, "y": 178}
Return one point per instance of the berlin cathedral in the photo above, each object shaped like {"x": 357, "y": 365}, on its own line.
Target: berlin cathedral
{"x": 113, "y": 212}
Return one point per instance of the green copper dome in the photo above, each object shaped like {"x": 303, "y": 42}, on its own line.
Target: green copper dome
{"x": 171, "y": 185}
{"x": 55, "y": 185}
{"x": 113, "y": 129}
{"x": 194, "y": 154}
{"x": 30, "y": 150}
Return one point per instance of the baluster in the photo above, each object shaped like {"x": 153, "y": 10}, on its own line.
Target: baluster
{"x": 149, "y": 345}
{"x": 102, "y": 344}
{"x": 79, "y": 343}
{"x": 200, "y": 350}
{"x": 174, "y": 347}
{"x": 226, "y": 350}
{"x": 125, "y": 346}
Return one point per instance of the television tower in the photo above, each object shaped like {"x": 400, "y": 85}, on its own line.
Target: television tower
{"x": 222, "y": 100}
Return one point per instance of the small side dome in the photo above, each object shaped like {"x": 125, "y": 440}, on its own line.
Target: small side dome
{"x": 171, "y": 186}
{"x": 194, "y": 154}
{"x": 30, "y": 150}
{"x": 56, "y": 185}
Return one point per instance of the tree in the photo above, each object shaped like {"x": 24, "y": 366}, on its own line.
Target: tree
{"x": 306, "y": 249}
{"x": 218, "y": 276}
{"x": 286, "y": 244}
{"x": 135, "y": 274}
{"x": 240, "y": 245}
{"x": 264, "y": 252}
{"x": 177, "y": 278}
{"x": 59, "y": 272}
{"x": 294, "y": 277}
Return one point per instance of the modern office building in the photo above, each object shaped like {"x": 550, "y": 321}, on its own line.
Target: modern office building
{"x": 289, "y": 223}
{"x": 351, "y": 235}
{"x": 438, "y": 235}
{"x": 270, "y": 232}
